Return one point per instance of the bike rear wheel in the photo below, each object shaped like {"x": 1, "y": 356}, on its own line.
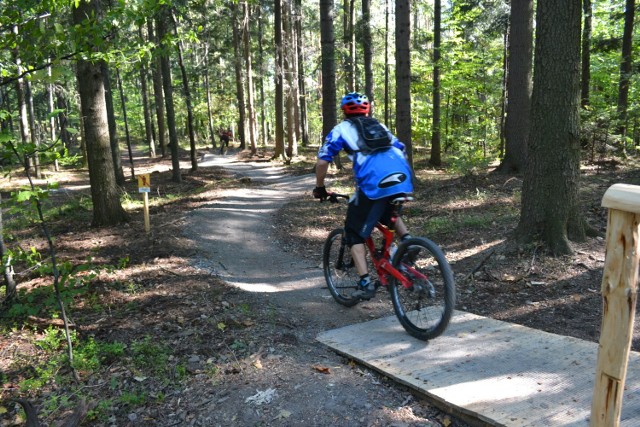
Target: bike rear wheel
{"x": 425, "y": 308}
{"x": 339, "y": 269}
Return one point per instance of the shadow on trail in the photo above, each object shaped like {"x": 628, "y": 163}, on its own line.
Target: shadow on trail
{"x": 235, "y": 242}
{"x": 234, "y": 232}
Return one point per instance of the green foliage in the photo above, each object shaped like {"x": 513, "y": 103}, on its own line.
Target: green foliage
{"x": 245, "y": 309}
{"x": 150, "y": 356}
{"x": 101, "y": 410}
{"x": 469, "y": 160}
{"x": 43, "y": 374}
{"x": 74, "y": 285}
{"x": 52, "y": 340}
{"x": 56, "y": 402}
{"x": 451, "y": 224}
{"x": 133, "y": 398}
{"x": 91, "y": 354}
{"x": 67, "y": 159}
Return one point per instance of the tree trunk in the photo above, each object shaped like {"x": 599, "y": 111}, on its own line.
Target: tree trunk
{"x": 9, "y": 281}
{"x": 550, "y": 208}
{"x": 279, "y": 81}
{"x": 294, "y": 80}
{"x": 387, "y": 114}
{"x": 250, "y": 95}
{"x": 626, "y": 64}
{"x": 263, "y": 121}
{"x": 367, "y": 46}
{"x": 436, "y": 150}
{"x": 162, "y": 20}
{"x": 403, "y": 74}
{"x": 187, "y": 96}
{"x": 587, "y": 13}
{"x": 518, "y": 86}
{"x": 327, "y": 40}
{"x": 148, "y": 128}
{"x": 212, "y": 134}
{"x": 113, "y": 133}
{"x": 105, "y": 195}
{"x": 239, "y": 78}
{"x": 61, "y": 104}
{"x": 289, "y": 71}
{"x": 126, "y": 124}
{"x": 52, "y": 119}
{"x": 35, "y": 138}
{"x": 352, "y": 46}
{"x": 304, "y": 122}
{"x": 503, "y": 98}
{"x": 156, "y": 73}
{"x": 25, "y": 129}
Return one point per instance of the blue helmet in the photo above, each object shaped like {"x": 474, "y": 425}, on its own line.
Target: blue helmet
{"x": 355, "y": 103}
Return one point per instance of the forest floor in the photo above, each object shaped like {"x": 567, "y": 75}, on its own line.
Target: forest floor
{"x": 199, "y": 351}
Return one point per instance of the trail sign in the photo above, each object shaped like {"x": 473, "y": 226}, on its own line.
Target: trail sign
{"x": 144, "y": 183}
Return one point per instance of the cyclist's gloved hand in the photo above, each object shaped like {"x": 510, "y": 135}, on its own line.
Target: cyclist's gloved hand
{"x": 320, "y": 193}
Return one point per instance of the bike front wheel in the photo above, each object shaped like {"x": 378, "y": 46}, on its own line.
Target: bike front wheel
{"x": 339, "y": 269}
{"x": 425, "y": 307}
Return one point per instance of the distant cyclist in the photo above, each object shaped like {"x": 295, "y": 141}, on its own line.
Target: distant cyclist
{"x": 381, "y": 174}
{"x": 225, "y": 137}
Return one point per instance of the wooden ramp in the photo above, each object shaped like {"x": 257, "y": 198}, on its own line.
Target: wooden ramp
{"x": 490, "y": 372}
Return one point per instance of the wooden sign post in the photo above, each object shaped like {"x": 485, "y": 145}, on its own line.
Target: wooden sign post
{"x": 619, "y": 287}
{"x": 144, "y": 187}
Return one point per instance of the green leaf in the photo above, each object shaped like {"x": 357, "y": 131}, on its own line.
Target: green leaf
{"x": 24, "y": 196}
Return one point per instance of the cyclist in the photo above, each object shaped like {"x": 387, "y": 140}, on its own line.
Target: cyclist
{"x": 379, "y": 177}
{"x": 225, "y": 136}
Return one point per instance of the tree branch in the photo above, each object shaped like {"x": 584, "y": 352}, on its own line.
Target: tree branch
{"x": 13, "y": 79}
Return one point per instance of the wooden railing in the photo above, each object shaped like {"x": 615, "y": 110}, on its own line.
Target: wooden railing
{"x": 619, "y": 295}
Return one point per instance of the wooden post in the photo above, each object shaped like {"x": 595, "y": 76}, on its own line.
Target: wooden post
{"x": 144, "y": 187}
{"x": 619, "y": 286}
{"x": 147, "y": 225}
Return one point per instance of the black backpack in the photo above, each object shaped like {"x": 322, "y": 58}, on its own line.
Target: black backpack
{"x": 373, "y": 136}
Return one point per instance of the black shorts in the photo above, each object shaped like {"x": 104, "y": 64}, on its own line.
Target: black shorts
{"x": 363, "y": 214}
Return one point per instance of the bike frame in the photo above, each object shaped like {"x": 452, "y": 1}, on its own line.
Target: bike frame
{"x": 381, "y": 260}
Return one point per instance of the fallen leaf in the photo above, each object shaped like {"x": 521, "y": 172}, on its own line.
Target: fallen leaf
{"x": 322, "y": 369}
{"x": 284, "y": 414}
{"x": 257, "y": 364}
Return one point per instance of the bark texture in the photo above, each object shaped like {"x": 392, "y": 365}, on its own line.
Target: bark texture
{"x": 105, "y": 195}
{"x": 519, "y": 86}
{"x": 550, "y": 204}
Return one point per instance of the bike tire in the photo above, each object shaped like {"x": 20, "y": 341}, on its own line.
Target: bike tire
{"x": 339, "y": 269}
{"x": 424, "y": 309}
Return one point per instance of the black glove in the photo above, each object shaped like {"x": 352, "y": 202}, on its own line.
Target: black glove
{"x": 320, "y": 193}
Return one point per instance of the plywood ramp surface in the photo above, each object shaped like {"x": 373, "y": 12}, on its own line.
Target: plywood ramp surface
{"x": 494, "y": 372}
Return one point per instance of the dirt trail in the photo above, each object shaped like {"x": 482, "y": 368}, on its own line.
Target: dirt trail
{"x": 300, "y": 381}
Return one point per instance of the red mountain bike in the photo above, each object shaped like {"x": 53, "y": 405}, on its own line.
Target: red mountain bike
{"x": 418, "y": 276}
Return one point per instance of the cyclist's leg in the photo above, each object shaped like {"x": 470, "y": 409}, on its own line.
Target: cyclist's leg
{"x": 358, "y": 253}
{"x": 400, "y": 227}
{"x": 362, "y": 215}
